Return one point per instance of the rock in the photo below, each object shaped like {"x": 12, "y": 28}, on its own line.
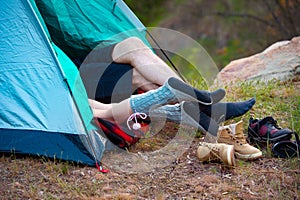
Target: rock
{"x": 279, "y": 61}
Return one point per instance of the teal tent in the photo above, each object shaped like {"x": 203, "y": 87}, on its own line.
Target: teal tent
{"x": 44, "y": 109}
{"x": 77, "y": 27}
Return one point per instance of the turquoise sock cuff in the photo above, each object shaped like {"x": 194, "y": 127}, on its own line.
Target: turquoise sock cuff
{"x": 144, "y": 102}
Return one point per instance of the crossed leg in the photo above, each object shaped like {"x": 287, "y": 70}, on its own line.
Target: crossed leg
{"x": 151, "y": 71}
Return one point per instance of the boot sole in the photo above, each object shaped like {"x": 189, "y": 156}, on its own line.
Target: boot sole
{"x": 248, "y": 156}
{"x": 230, "y": 156}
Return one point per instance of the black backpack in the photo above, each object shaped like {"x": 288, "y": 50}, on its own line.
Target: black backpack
{"x": 282, "y": 145}
{"x": 287, "y": 148}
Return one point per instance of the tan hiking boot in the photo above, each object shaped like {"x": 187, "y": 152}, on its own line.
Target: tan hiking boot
{"x": 216, "y": 152}
{"x": 233, "y": 135}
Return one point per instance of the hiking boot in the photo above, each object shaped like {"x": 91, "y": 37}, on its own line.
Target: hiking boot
{"x": 267, "y": 130}
{"x": 233, "y": 135}
{"x": 216, "y": 152}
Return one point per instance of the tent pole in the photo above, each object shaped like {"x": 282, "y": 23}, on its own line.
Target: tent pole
{"x": 167, "y": 57}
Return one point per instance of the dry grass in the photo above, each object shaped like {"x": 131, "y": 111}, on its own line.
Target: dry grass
{"x": 266, "y": 178}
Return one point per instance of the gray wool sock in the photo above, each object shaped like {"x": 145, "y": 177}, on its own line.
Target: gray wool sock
{"x": 171, "y": 112}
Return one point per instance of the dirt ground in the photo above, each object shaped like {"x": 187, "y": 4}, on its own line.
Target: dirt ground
{"x": 184, "y": 178}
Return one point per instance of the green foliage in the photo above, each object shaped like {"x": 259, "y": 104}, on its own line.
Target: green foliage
{"x": 190, "y": 72}
{"x": 223, "y": 56}
{"x": 278, "y": 99}
{"x": 149, "y": 12}
{"x": 228, "y": 29}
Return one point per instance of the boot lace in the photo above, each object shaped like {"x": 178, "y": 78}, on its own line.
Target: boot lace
{"x": 215, "y": 150}
{"x": 240, "y": 138}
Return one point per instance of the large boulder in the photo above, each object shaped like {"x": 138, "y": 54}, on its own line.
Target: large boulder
{"x": 280, "y": 61}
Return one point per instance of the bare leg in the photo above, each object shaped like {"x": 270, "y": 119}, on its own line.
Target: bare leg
{"x": 134, "y": 52}
{"x": 97, "y": 105}
{"x": 117, "y": 112}
{"x": 139, "y": 81}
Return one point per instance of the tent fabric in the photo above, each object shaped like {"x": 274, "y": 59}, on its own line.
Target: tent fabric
{"x": 44, "y": 107}
{"x": 71, "y": 74}
{"x": 40, "y": 143}
{"x": 76, "y": 86}
{"x": 40, "y": 114}
{"x": 77, "y": 27}
{"x": 33, "y": 92}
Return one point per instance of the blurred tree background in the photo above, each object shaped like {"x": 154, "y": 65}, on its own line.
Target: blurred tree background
{"x": 227, "y": 29}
